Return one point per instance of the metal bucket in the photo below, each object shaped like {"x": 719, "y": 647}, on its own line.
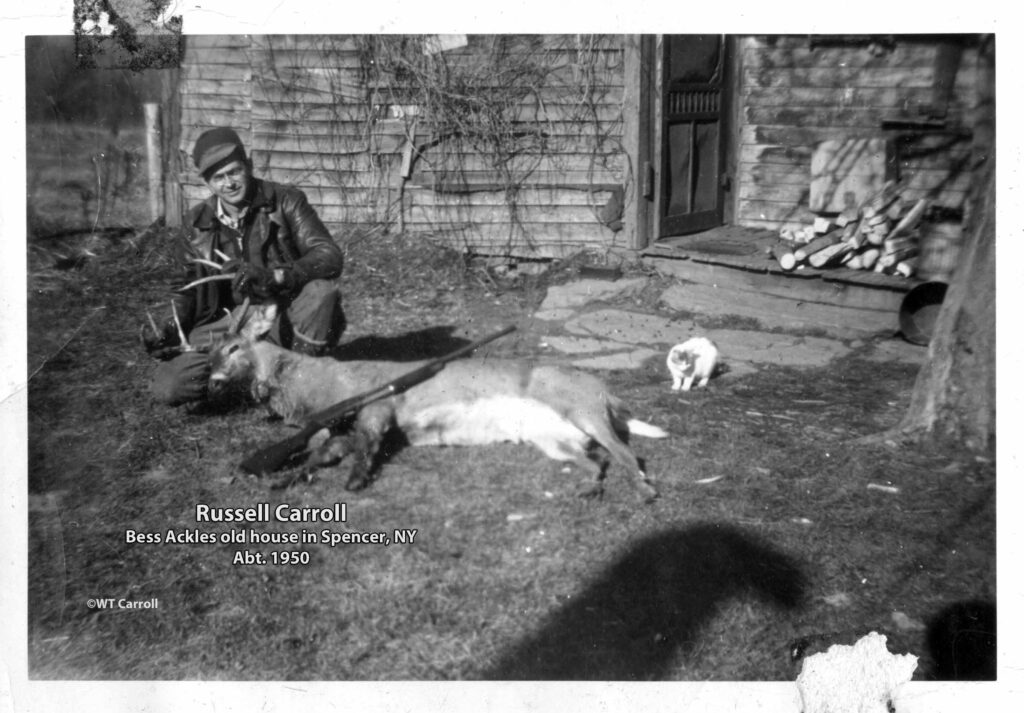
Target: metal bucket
{"x": 919, "y": 311}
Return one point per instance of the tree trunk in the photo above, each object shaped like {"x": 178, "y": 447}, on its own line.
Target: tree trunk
{"x": 955, "y": 393}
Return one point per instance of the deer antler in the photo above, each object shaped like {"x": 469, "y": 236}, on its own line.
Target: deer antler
{"x": 185, "y": 346}
{"x": 238, "y": 318}
{"x": 208, "y": 263}
{"x": 204, "y": 280}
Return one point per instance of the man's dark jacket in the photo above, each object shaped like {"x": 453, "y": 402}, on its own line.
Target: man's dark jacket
{"x": 285, "y": 232}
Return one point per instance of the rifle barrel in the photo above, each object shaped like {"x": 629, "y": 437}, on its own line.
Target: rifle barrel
{"x": 266, "y": 460}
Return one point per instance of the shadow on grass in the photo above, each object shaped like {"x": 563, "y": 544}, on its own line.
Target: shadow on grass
{"x": 650, "y": 605}
{"x": 423, "y": 344}
{"x": 962, "y": 642}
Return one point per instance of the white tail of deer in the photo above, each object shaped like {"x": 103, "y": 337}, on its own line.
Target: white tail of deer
{"x": 469, "y": 402}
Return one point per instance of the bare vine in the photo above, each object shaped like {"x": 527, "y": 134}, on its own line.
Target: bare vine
{"x": 491, "y": 116}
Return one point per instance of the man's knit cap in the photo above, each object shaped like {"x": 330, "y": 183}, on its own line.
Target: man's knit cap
{"x": 216, "y": 148}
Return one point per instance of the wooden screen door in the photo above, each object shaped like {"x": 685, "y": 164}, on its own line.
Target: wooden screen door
{"x": 693, "y": 100}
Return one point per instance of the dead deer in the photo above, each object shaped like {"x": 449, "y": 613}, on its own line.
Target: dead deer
{"x": 469, "y": 402}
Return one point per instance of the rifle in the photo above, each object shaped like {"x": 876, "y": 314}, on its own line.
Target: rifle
{"x": 271, "y": 458}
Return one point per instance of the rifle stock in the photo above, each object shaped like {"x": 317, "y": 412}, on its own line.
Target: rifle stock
{"x": 267, "y": 460}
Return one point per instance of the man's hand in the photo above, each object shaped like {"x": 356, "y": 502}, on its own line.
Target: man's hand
{"x": 254, "y": 281}
{"x": 260, "y": 282}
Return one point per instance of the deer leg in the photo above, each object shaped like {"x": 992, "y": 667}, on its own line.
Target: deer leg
{"x": 594, "y": 487}
{"x": 372, "y": 423}
{"x": 601, "y": 430}
{"x": 331, "y": 452}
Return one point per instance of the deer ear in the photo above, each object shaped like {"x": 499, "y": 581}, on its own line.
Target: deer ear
{"x": 260, "y": 323}
{"x": 270, "y": 312}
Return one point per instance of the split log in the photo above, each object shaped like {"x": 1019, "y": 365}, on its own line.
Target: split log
{"x": 881, "y": 200}
{"x": 869, "y": 257}
{"x": 911, "y": 219}
{"x": 896, "y": 209}
{"x": 872, "y": 237}
{"x": 907, "y": 267}
{"x": 829, "y": 255}
{"x": 895, "y": 244}
{"x": 784, "y": 256}
{"x": 823, "y": 226}
{"x": 853, "y": 237}
{"x": 891, "y": 258}
{"x": 817, "y": 244}
{"x": 850, "y": 215}
{"x": 805, "y": 235}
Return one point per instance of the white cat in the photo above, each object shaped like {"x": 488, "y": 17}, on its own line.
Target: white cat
{"x": 693, "y": 359}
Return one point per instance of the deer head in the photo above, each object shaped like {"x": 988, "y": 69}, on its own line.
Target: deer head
{"x": 235, "y": 359}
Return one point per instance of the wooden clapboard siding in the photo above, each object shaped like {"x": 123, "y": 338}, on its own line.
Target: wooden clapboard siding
{"x": 775, "y": 212}
{"x": 218, "y": 102}
{"x": 208, "y": 42}
{"x": 215, "y": 90}
{"x": 479, "y": 181}
{"x": 340, "y": 88}
{"x": 324, "y": 144}
{"x": 843, "y": 119}
{"x": 304, "y": 103}
{"x": 345, "y": 44}
{"x": 473, "y": 213}
{"x": 759, "y": 52}
{"x": 222, "y": 72}
{"x": 229, "y": 87}
{"x": 519, "y": 165}
{"x": 794, "y": 95}
{"x": 233, "y": 56}
{"x": 555, "y": 240}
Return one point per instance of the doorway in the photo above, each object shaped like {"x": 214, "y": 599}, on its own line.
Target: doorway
{"x": 694, "y": 130}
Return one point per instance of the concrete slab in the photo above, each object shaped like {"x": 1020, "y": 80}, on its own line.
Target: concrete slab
{"x": 579, "y": 345}
{"x": 620, "y": 360}
{"x": 632, "y": 328}
{"x": 740, "y": 345}
{"x": 775, "y": 312}
{"x": 581, "y": 292}
{"x": 554, "y": 315}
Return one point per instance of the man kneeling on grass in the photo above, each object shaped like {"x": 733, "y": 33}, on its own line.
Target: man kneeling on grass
{"x": 274, "y": 248}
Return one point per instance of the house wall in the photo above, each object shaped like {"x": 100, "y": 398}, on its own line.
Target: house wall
{"x": 793, "y": 96}
{"x": 313, "y": 115}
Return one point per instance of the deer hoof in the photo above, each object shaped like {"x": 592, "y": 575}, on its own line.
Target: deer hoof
{"x": 357, "y": 481}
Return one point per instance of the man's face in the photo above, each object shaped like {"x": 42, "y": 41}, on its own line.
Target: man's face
{"x": 231, "y": 183}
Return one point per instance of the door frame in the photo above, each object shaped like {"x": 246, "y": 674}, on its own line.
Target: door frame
{"x": 642, "y": 133}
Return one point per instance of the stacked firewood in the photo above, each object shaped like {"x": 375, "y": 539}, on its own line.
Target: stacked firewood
{"x": 881, "y": 235}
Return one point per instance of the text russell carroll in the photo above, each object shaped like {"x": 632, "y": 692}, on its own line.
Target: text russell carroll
{"x": 282, "y": 513}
